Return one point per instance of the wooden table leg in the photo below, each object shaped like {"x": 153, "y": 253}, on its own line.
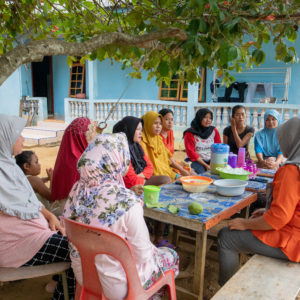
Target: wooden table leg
{"x": 200, "y": 256}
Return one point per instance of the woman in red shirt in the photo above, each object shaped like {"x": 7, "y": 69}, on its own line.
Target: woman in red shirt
{"x": 140, "y": 168}
{"x": 167, "y": 132}
{"x": 198, "y": 140}
{"x": 274, "y": 232}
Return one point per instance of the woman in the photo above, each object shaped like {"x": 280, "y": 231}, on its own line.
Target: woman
{"x": 140, "y": 168}
{"x": 73, "y": 144}
{"x": 28, "y": 231}
{"x": 99, "y": 198}
{"x": 238, "y": 134}
{"x": 275, "y": 232}
{"x": 155, "y": 149}
{"x": 166, "y": 131}
{"x": 198, "y": 140}
{"x": 266, "y": 143}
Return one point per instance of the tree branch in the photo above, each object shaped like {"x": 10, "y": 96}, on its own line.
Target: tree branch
{"x": 36, "y": 50}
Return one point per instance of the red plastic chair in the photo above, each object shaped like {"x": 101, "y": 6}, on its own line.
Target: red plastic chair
{"x": 91, "y": 241}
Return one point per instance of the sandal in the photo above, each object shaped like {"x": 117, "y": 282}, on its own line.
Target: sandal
{"x": 166, "y": 243}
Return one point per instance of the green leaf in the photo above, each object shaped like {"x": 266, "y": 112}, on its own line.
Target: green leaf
{"x": 173, "y": 209}
{"x": 193, "y": 26}
{"x": 258, "y": 56}
{"x": 163, "y": 68}
{"x": 203, "y": 26}
{"x": 232, "y": 53}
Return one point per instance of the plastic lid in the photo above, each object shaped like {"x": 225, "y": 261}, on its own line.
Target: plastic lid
{"x": 220, "y": 148}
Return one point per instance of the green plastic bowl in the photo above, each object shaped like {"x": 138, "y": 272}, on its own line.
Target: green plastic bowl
{"x": 233, "y": 176}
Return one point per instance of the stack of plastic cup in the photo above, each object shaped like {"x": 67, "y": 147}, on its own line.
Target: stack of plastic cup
{"x": 241, "y": 157}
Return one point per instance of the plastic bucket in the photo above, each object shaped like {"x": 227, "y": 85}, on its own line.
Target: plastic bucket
{"x": 151, "y": 195}
{"x": 219, "y": 157}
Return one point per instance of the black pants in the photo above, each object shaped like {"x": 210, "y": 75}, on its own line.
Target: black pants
{"x": 56, "y": 249}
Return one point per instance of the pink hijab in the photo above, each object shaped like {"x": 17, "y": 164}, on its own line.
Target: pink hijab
{"x": 99, "y": 197}
{"x": 65, "y": 172}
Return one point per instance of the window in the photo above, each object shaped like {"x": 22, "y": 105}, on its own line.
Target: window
{"x": 177, "y": 91}
{"x": 77, "y": 79}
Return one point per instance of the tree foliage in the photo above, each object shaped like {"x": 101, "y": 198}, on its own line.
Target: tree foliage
{"x": 164, "y": 37}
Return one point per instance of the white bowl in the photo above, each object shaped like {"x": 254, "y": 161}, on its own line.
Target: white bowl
{"x": 230, "y": 187}
{"x": 195, "y": 184}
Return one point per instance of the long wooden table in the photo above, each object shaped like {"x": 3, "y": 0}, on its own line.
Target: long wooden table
{"x": 215, "y": 209}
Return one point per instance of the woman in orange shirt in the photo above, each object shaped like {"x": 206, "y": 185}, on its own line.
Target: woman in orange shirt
{"x": 274, "y": 232}
{"x": 166, "y": 131}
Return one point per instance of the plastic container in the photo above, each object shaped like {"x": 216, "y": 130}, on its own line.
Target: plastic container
{"x": 232, "y": 160}
{"x": 151, "y": 195}
{"x": 195, "y": 184}
{"x": 228, "y": 175}
{"x": 241, "y": 157}
{"x": 230, "y": 187}
{"x": 219, "y": 157}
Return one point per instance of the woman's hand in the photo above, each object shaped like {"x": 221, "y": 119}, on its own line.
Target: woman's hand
{"x": 232, "y": 122}
{"x": 55, "y": 225}
{"x": 138, "y": 189}
{"x": 185, "y": 172}
{"x": 258, "y": 213}
{"x": 237, "y": 224}
{"x": 207, "y": 167}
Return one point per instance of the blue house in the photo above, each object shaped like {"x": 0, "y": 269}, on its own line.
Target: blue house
{"x": 93, "y": 89}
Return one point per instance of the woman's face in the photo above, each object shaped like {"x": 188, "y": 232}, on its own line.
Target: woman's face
{"x": 138, "y": 133}
{"x": 240, "y": 116}
{"x": 207, "y": 120}
{"x": 18, "y": 146}
{"x": 271, "y": 122}
{"x": 157, "y": 126}
{"x": 168, "y": 121}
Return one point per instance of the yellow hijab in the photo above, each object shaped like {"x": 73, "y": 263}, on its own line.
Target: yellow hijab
{"x": 154, "y": 147}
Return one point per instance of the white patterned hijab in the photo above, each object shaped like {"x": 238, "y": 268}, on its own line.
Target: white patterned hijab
{"x": 288, "y": 135}
{"x": 17, "y": 197}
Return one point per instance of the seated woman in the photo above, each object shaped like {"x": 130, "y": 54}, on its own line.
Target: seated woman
{"x": 29, "y": 232}
{"x": 198, "y": 140}
{"x": 238, "y": 134}
{"x": 99, "y": 198}
{"x": 74, "y": 142}
{"x": 29, "y": 163}
{"x": 140, "y": 168}
{"x": 155, "y": 149}
{"x": 166, "y": 131}
{"x": 274, "y": 232}
{"x": 266, "y": 143}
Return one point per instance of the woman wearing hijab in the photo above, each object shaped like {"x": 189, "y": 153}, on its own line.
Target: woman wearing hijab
{"x": 198, "y": 140}
{"x": 99, "y": 198}
{"x": 140, "y": 168}
{"x": 266, "y": 143}
{"x": 155, "y": 149}
{"x": 274, "y": 232}
{"x": 28, "y": 230}
{"x": 73, "y": 144}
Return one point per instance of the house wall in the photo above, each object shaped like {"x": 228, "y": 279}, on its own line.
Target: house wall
{"x": 10, "y": 94}
{"x": 112, "y": 80}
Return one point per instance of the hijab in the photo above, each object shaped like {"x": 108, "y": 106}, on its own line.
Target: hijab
{"x": 266, "y": 138}
{"x": 17, "y": 197}
{"x": 151, "y": 140}
{"x": 288, "y": 135}
{"x": 128, "y": 125}
{"x": 196, "y": 127}
{"x": 73, "y": 144}
{"x": 100, "y": 196}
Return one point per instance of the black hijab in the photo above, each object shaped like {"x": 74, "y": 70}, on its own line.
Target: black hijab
{"x": 128, "y": 125}
{"x": 196, "y": 127}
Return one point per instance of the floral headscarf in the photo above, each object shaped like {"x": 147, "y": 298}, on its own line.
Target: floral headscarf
{"x": 100, "y": 196}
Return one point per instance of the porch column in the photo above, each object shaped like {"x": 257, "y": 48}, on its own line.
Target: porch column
{"x": 92, "y": 84}
{"x": 192, "y": 102}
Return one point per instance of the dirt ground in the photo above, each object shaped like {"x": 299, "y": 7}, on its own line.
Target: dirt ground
{"x": 33, "y": 289}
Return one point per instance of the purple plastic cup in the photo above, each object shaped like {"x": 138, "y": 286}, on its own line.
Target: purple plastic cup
{"x": 232, "y": 160}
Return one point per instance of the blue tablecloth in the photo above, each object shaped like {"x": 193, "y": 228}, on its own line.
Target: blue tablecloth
{"x": 211, "y": 202}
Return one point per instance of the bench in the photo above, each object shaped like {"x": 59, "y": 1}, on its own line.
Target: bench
{"x": 263, "y": 278}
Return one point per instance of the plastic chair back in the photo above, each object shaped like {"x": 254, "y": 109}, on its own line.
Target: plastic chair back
{"x": 91, "y": 241}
